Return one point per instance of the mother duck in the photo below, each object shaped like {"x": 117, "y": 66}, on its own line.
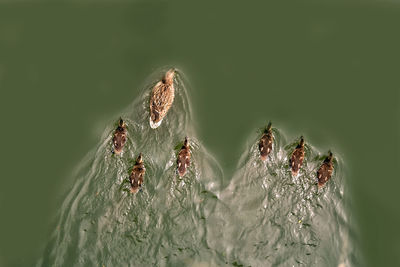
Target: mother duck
{"x": 161, "y": 99}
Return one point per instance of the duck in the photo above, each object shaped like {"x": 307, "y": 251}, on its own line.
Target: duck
{"x": 324, "y": 172}
{"x": 119, "y": 138}
{"x": 297, "y": 158}
{"x": 137, "y": 174}
{"x": 161, "y": 99}
{"x": 183, "y": 161}
{"x": 265, "y": 144}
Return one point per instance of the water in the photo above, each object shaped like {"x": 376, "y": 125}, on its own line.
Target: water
{"x": 260, "y": 216}
{"x": 102, "y": 223}
{"x": 325, "y": 70}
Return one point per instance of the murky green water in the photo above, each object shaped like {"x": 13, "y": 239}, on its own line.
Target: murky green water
{"x": 327, "y": 71}
{"x": 260, "y": 216}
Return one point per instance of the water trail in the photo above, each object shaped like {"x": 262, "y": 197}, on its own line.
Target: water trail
{"x": 261, "y": 217}
{"x": 101, "y": 223}
{"x": 275, "y": 219}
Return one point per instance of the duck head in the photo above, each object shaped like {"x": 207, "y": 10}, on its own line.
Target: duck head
{"x": 301, "y": 141}
{"x": 139, "y": 159}
{"x": 121, "y": 123}
{"x": 186, "y": 142}
{"x": 330, "y": 156}
{"x": 169, "y": 77}
{"x": 268, "y": 129}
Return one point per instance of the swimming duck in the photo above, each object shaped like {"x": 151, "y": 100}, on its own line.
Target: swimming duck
{"x": 183, "y": 160}
{"x": 161, "y": 98}
{"x": 119, "y": 138}
{"x": 137, "y": 174}
{"x": 297, "y": 157}
{"x": 324, "y": 172}
{"x": 265, "y": 144}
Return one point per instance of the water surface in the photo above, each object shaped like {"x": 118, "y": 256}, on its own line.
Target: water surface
{"x": 261, "y": 216}
{"x": 326, "y": 70}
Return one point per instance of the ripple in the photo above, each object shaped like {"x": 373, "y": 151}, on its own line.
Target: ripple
{"x": 262, "y": 216}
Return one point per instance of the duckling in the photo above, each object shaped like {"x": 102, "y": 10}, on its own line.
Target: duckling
{"x": 137, "y": 174}
{"x": 297, "y": 157}
{"x": 162, "y": 98}
{"x": 119, "y": 138}
{"x": 265, "y": 144}
{"x": 324, "y": 172}
{"x": 183, "y": 160}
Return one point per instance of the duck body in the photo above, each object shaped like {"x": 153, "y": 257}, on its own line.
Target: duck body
{"x": 137, "y": 175}
{"x": 161, "y": 99}
{"x": 324, "y": 172}
{"x": 297, "y": 158}
{"x": 183, "y": 161}
{"x": 265, "y": 144}
{"x": 119, "y": 138}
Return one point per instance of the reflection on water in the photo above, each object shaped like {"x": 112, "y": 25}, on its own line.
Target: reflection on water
{"x": 259, "y": 217}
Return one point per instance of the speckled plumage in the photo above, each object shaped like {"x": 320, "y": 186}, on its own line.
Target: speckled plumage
{"x": 119, "y": 138}
{"x": 324, "y": 172}
{"x": 161, "y": 99}
{"x": 265, "y": 144}
{"x": 183, "y": 161}
{"x": 297, "y": 158}
{"x": 137, "y": 175}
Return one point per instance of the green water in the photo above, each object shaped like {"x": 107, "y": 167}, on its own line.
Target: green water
{"x": 323, "y": 70}
{"x": 259, "y": 216}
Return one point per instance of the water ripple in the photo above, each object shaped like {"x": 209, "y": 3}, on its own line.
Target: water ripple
{"x": 260, "y": 217}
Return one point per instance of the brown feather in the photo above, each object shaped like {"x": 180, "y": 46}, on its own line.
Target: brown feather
{"x": 324, "y": 173}
{"x": 265, "y": 145}
{"x": 119, "y": 138}
{"x": 297, "y": 158}
{"x": 137, "y": 175}
{"x": 183, "y": 161}
{"x": 162, "y": 97}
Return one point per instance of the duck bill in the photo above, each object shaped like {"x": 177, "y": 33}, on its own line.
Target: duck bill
{"x": 154, "y": 125}
{"x": 263, "y": 158}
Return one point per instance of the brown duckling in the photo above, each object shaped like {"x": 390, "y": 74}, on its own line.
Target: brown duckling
{"x": 137, "y": 174}
{"x": 119, "y": 138}
{"x": 324, "y": 172}
{"x": 296, "y": 160}
{"x": 265, "y": 144}
{"x": 162, "y": 98}
{"x": 183, "y": 160}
